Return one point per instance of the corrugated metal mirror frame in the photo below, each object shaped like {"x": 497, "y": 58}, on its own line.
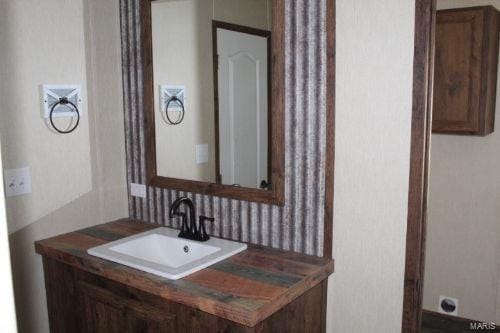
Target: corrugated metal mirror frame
{"x": 301, "y": 223}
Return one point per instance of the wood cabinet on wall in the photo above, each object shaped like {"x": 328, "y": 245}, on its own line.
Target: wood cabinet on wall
{"x": 465, "y": 71}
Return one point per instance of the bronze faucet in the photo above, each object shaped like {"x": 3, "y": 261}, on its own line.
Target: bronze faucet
{"x": 190, "y": 231}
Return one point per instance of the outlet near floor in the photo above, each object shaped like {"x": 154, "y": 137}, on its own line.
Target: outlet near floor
{"x": 448, "y": 305}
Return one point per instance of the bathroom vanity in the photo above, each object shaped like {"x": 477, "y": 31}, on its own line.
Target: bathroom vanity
{"x": 257, "y": 290}
{"x": 205, "y": 118}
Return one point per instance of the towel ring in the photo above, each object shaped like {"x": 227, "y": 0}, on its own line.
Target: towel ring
{"x": 64, "y": 101}
{"x": 170, "y": 100}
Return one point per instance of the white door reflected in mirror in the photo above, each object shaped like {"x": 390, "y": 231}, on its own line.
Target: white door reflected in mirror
{"x": 243, "y": 120}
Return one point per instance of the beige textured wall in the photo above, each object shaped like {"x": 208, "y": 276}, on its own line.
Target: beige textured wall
{"x": 182, "y": 54}
{"x": 373, "y": 110}
{"x": 32, "y": 41}
{"x": 78, "y": 180}
{"x": 252, "y": 13}
{"x": 8, "y": 312}
{"x": 463, "y": 226}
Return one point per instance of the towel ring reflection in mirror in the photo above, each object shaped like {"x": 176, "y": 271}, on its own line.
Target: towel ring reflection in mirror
{"x": 182, "y": 111}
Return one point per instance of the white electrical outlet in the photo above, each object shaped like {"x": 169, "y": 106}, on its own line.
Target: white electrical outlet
{"x": 138, "y": 190}
{"x": 448, "y": 305}
{"x": 17, "y": 181}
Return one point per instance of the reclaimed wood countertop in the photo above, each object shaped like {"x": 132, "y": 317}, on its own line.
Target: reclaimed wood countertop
{"x": 245, "y": 288}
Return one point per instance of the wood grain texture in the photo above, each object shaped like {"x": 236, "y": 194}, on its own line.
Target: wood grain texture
{"x": 425, "y": 11}
{"x": 61, "y": 301}
{"x": 240, "y": 289}
{"x": 148, "y": 88}
{"x": 87, "y": 302}
{"x": 273, "y": 196}
{"x": 465, "y": 70}
{"x": 330, "y": 129}
{"x": 105, "y": 311}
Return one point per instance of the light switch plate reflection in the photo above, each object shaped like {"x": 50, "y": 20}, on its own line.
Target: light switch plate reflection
{"x": 202, "y": 153}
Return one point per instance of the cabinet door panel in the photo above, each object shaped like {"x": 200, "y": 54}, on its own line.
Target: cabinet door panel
{"x": 107, "y": 312}
{"x": 457, "y": 70}
{"x": 102, "y": 318}
{"x": 465, "y": 71}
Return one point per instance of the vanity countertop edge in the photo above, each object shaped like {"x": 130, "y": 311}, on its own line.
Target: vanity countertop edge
{"x": 245, "y": 288}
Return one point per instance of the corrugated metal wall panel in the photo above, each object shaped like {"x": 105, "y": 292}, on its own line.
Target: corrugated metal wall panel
{"x": 298, "y": 225}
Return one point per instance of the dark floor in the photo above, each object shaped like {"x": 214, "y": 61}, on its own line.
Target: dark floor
{"x": 451, "y": 329}
{"x": 431, "y": 330}
{"x": 436, "y": 323}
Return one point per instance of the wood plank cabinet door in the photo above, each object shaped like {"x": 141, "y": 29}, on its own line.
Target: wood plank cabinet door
{"x": 106, "y": 312}
{"x": 465, "y": 71}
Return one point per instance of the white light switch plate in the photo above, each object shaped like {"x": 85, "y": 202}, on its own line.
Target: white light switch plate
{"x": 202, "y": 153}
{"x": 138, "y": 190}
{"x": 17, "y": 181}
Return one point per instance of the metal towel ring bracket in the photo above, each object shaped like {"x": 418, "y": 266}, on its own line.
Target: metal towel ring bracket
{"x": 64, "y": 101}
{"x": 181, "y": 117}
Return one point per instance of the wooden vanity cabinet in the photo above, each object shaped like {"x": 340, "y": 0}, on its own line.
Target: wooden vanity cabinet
{"x": 79, "y": 301}
{"x": 258, "y": 290}
{"x": 465, "y": 71}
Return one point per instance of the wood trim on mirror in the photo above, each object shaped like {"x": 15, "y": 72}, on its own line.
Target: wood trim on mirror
{"x": 330, "y": 128}
{"x": 277, "y": 140}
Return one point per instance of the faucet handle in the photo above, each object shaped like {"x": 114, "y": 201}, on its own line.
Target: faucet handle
{"x": 203, "y": 236}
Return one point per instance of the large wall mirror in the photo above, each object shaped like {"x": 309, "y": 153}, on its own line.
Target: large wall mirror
{"x": 213, "y": 93}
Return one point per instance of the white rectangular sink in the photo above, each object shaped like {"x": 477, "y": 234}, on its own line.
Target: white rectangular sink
{"x": 161, "y": 252}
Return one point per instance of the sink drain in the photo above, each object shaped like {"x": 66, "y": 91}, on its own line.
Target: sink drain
{"x": 186, "y": 248}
